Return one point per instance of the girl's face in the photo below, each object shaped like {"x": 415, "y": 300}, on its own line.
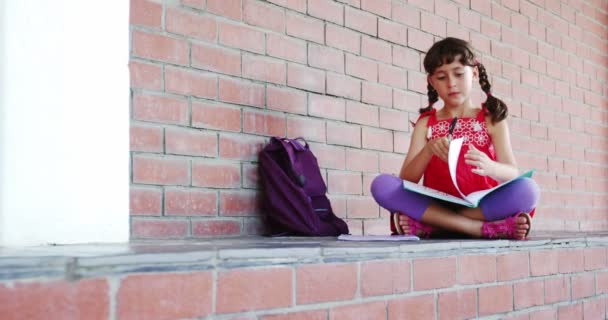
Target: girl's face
{"x": 453, "y": 82}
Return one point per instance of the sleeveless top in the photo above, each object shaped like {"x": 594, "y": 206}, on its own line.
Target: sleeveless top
{"x": 474, "y": 131}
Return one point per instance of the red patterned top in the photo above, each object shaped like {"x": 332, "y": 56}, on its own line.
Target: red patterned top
{"x": 473, "y": 130}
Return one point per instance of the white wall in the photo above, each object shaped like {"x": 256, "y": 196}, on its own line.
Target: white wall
{"x": 64, "y": 122}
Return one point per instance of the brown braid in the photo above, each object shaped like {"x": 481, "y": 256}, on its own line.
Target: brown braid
{"x": 433, "y": 97}
{"x": 496, "y": 108}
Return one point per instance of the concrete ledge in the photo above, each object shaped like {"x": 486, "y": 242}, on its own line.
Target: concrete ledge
{"x": 551, "y": 275}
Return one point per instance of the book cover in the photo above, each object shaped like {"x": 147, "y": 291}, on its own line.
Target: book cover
{"x": 470, "y": 200}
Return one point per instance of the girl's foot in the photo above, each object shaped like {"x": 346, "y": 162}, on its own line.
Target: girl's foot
{"x": 403, "y": 224}
{"x": 516, "y": 227}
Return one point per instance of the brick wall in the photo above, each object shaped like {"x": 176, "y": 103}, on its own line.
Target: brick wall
{"x": 552, "y": 283}
{"x": 211, "y": 80}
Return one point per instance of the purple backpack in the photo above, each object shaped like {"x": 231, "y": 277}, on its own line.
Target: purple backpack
{"x": 294, "y": 191}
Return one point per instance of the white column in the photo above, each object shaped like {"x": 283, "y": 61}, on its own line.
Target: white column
{"x": 64, "y": 122}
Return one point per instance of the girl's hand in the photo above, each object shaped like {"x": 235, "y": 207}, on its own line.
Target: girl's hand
{"x": 484, "y": 166}
{"x": 439, "y": 147}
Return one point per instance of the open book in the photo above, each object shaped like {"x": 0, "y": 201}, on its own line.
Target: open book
{"x": 470, "y": 200}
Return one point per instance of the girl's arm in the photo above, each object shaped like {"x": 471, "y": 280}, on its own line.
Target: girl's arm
{"x": 505, "y": 166}
{"x": 418, "y": 156}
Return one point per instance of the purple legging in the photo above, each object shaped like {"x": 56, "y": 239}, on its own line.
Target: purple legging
{"x": 519, "y": 196}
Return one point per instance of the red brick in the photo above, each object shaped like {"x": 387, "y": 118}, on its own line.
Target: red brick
{"x": 405, "y": 100}
{"x": 602, "y": 282}
{"x": 197, "y": 4}
{"x": 325, "y": 58}
{"x": 376, "y": 94}
{"x": 434, "y": 273}
{"x": 594, "y": 309}
{"x": 325, "y": 282}
{"x": 212, "y": 228}
{"x": 362, "y": 113}
{"x": 287, "y": 48}
{"x": 456, "y": 305}
{"x": 240, "y": 147}
{"x": 285, "y": 99}
{"x": 412, "y": 308}
{"x": 242, "y": 92}
{"x": 392, "y": 32}
{"x": 571, "y": 261}
{"x": 186, "y": 82}
{"x": 264, "y": 69}
{"x": 146, "y": 138}
{"x": 543, "y": 262}
{"x": 217, "y": 59}
{"x": 573, "y": 311}
{"x": 331, "y": 157}
{"x": 376, "y": 49}
{"x": 362, "y": 208}
{"x": 238, "y": 203}
{"x": 476, "y": 269}
{"x": 242, "y": 37}
{"x": 343, "y": 134}
{"x": 326, "y": 10}
{"x": 446, "y": 9}
{"x": 216, "y": 174}
{"x": 417, "y": 82}
{"x": 254, "y": 289}
{"x": 370, "y": 310}
{"x": 547, "y": 314}
{"x": 354, "y": 3}
{"x": 146, "y": 13}
{"x": 230, "y": 9}
{"x": 394, "y": 119}
{"x": 495, "y": 299}
{"x": 158, "y": 47}
{"x": 55, "y": 300}
{"x": 407, "y": 58}
{"x": 191, "y": 142}
{"x": 361, "y": 160}
{"x": 385, "y": 278}
{"x": 361, "y": 68}
{"x": 303, "y": 315}
{"x": 361, "y": 21}
{"x": 297, "y": 5}
{"x": 557, "y": 289}
{"x": 250, "y": 176}
{"x": 268, "y": 17}
{"x": 501, "y": 14}
{"x": 379, "y": 7}
{"x": 419, "y": 40}
{"x": 165, "y": 296}
{"x": 326, "y": 107}
{"x": 145, "y": 201}
{"x": 583, "y": 286}
{"x": 190, "y": 202}
{"x": 145, "y": 75}
{"x": 434, "y": 25}
{"x": 529, "y": 294}
{"x": 595, "y": 258}
{"x": 392, "y": 76}
{"x": 310, "y": 128}
{"x": 158, "y": 229}
{"x": 190, "y": 24}
{"x": 216, "y": 116}
{"x": 343, "y": 86}
{"x": 401, "y": 142}
{"x": 512, "y": 266}
{"x": 344, "y": 182}
{"x": 302, "y": 77}
{"x": 342, "y": 38}
{"x": 377, "y": 139}
{"x": 390, "y": 162}
{"x": 407, "y": 15}
{"x": 264, "y": 123}
{"x": 305, "y": 28}
{"x": 165, "y": 171}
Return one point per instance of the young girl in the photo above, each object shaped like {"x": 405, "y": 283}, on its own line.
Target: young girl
{"x": 486, "y": 158}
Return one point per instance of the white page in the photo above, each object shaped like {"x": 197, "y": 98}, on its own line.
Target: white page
{"x": 349, "y": 237}
{"x": 453, "y": 153}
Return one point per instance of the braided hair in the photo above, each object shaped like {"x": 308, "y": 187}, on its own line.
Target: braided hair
{"x": 445, "y": 52}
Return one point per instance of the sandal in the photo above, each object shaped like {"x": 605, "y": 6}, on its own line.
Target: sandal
{"x": 507, "y": 228}
{"x": 416, "y": 228}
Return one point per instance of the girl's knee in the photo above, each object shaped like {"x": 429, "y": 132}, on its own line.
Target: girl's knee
{"x": 526, "y": 191}
{"x": 383, "y": 184}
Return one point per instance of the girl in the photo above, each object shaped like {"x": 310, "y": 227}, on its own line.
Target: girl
{"x": 488, "y": 159}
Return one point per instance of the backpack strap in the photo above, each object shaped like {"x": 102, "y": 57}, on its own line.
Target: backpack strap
{"x": 291, "y": 146}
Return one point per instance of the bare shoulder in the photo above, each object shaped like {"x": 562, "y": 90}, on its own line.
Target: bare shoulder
{"x": 496, "y": 127}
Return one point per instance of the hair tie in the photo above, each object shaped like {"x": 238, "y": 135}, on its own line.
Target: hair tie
{"x": 489, "y": 93}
